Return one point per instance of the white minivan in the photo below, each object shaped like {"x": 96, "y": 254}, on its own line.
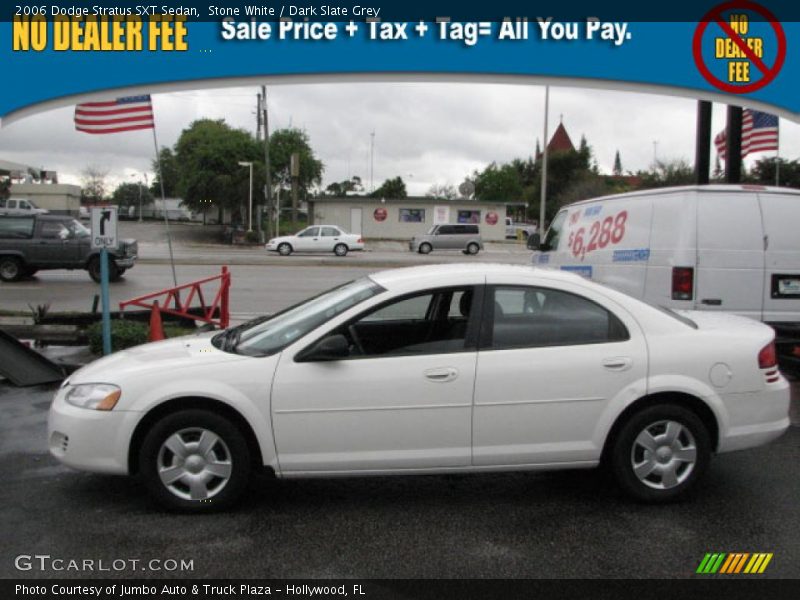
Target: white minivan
{"x": 729, "y": 248}
{"x": 20, "y": 206}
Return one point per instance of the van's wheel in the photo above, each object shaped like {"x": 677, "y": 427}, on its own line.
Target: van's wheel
{"x": 195, "y": 461}
{"x": 473, "y": 248}
{"x": 10, "y": 268}
{"x": 660, "y": 453}
{"x": 94, "y": 269}
{"x": 284, "y": 249}
{"x": 425, "y": 248}
{"x": 340, "y": 250}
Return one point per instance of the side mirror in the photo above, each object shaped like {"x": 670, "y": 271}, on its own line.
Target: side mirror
{"x": 534, "y": 241}
{"x": 333, "y": 347}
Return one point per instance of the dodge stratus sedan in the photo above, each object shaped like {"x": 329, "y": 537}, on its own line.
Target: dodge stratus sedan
{"x": 436, "y": 369}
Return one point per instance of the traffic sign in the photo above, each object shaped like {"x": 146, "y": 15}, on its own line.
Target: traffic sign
{"x": 104, "y": 227}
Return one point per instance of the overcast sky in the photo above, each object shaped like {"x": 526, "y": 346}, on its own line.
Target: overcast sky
{"x": 424, "y": 132}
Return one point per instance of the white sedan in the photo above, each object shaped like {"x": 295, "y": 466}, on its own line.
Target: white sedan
{"x": 317, "y": 238}
{"x": 435, "y": 369}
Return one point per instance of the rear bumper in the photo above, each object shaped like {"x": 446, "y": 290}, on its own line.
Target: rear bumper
{"x": 756, "y": 418}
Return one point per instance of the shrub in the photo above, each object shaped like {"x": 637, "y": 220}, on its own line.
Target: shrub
{"x": 124, "y": 334}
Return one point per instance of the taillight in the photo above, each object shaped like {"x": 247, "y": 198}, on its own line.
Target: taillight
{"x": 768, "y": 357}
{"x": 360, "y": 240}
{"x": 682, "y": 283}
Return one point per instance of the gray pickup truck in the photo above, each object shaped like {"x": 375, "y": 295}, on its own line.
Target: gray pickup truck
{"x": 38, "y": 242}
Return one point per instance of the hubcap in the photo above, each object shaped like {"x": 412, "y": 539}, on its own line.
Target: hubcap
{"x": 194, "y": 464}
{"x": 9, "y": 269}
{"x": 664, "y": 455}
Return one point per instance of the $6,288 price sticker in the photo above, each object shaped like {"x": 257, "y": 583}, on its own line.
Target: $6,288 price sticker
{"x": 601, "y": 233}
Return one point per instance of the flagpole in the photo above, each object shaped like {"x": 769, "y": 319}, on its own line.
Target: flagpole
{"x": 544, "y": 163}
{"x": 778, "y": 155}
{"x": 164, "y": 204}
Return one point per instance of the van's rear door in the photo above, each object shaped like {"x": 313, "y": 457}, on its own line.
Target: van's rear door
{"x": 730, "y": 253}
{"x": 781, "y": 213}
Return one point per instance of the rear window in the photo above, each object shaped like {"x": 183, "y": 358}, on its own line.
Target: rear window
{"x": 16, "y": 227}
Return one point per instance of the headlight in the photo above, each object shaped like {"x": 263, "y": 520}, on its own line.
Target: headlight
{"x": 95, "y": 396}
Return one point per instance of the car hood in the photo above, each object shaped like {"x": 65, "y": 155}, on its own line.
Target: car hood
{"x": 169, "y": 355}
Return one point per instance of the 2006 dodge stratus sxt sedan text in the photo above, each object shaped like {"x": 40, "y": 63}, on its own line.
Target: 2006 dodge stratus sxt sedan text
{"x": 434, "y": 369}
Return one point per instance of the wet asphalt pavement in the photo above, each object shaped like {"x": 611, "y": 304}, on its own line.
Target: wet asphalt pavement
{"x": 521, "y": 525}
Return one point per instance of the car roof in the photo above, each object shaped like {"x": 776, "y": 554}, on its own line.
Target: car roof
{"x": 402, "y": 277}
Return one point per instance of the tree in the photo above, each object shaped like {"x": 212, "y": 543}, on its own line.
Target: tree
{"x": 207, "y": 156}
{"x": 282, "y": 144}
{"x": 94, "y": 189}
{"x": 127, "y": 194}
{"x": 763, "y": 172}
{"x": 667, "y": 173}
{"x": 498, "y": 184}
{"x": 342, "y": 188}
{"x": 445, "y": 191}
{"x": 718, "y": 174}
{"x": 169, "y": 168}
{"x": 617, "y": 165}
{"x": 391, "y": 188}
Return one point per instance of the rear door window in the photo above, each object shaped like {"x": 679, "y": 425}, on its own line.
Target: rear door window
{"x": 16, "y": 227}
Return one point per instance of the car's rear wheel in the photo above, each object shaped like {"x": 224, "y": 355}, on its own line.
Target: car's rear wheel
{"x": 94, "y": 269}
{"x": 10, "y": 268}
{"x": 195, "y": 460}
{"x": 425, "y": 248}
{"x": 284, "y": 249}
{"x": 473, "y": 248}
{"x": 340, "y": 250}
{"x": 660, "y": 453}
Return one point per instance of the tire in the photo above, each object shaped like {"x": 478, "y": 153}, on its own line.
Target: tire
{"x": 11, "y": 268}
{"x": 194, "y": 486}
{"x": 284, "y": 249}
{"x": 473, "y": 248}
{"x": 94, "y": 269}
{"x": 425, "y": 248}
{"x": 667, "y": 470}
{"x": 340, "y": 250}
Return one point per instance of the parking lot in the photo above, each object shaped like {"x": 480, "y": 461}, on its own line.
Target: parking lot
{"x": 517, "y": 525}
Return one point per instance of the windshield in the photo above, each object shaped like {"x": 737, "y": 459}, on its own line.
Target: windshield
{"x": 268, "y": 335}
{"x": 431, "y": 230}
{"x": 554, "y": 232}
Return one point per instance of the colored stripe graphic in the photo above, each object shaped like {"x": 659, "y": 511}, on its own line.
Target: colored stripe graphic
{"x": 732, "y": 563}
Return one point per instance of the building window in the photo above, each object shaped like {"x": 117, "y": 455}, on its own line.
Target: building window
{"x": 469, "y": 216}
{"x": 412, "y": 215}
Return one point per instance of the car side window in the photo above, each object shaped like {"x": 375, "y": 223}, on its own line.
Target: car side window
{"x": 446, "y": 230}
{"x": 23, "y": 204}
{"x": 330, "y": 232}
{"x": 310, "y": 232}
{"x": 531, "y": 317}
{"x": 12, "y": 204}
{"x": 53, "y": 230}
{"x": 2, "y": 203}
{"x": 434, "y": 322}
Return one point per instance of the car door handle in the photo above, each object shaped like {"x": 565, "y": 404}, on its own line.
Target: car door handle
{"x": 618, "y": 363}
{"x": 441, "y": 375}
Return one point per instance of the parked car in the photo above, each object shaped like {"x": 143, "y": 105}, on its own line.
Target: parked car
{"x": 20, "y": 206}
{"x": 433, "y": 369}
{"x": 317, "y": 238}
{"x": 719, "y": 248}
{"x": 466, "y": 238}
{"x": 516, "y": 230}
{"x": 44, "y": 242}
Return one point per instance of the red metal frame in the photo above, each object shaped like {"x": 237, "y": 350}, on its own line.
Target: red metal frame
{"x": 172, "y": 301}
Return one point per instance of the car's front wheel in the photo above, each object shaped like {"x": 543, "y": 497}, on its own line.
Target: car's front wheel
{"x": 425, "y": 248}
{"x": 195, "y": 460}
{"x": 10, "y": 268}
{"x": 284, "y": 249}
{"x": 340, "y": 250}
{"x": 660, "y": 452}
{"x": 94, "y": 269}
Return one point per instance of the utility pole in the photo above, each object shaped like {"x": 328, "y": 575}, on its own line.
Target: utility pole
{"x": 267, "y": 168}
{"x": 372, "y": 161}
{"x": 258, "y": 117}
{"x": 543, "y": 197}
{"x": 294, "y": 170}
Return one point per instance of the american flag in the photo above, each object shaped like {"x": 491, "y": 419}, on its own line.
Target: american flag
{"x": 759, "y": 133}
{"x": 123, "y": 114}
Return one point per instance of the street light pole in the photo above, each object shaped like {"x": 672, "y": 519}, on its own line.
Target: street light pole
{"x": 250, "y": 216}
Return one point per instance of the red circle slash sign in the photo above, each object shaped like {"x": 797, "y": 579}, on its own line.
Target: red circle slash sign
{"x": 715, "y": 16}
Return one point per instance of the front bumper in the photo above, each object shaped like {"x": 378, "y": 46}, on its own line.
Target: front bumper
{"x": 125, "y": 262}
{"x": 90, "y": 440}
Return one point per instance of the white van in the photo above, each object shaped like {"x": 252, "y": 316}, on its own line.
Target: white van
{"x": 20, "y": 206}
{"x": 731, "y": 248}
